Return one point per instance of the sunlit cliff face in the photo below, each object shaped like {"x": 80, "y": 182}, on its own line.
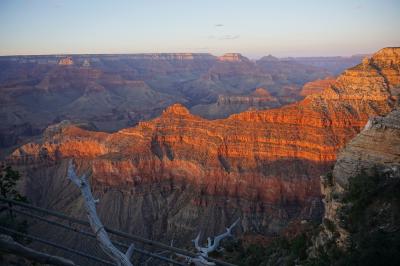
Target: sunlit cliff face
{"x": 233, "y": 57}
{"x": 316, "y": 86}
{"x": 112, "y": 92}
{"x": 190, "y": 147}
{"x": 268, "y": 158}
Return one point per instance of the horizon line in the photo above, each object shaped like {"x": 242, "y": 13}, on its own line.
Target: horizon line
{"x": 180, "y": 53}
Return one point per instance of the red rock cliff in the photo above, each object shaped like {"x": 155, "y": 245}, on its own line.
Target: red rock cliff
{"x": 238, "y": 153}
{"x": 270, "y": 157}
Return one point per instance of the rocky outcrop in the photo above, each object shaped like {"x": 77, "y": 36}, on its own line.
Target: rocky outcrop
{"x": 233, "y": 57}
{"x": 86, "y": 63}
{"x": 387, "y": 61}
{"x": 268, "y": 58}
{"x": 378, "y": 144}
{"x": 67, "y": 61}
{"x": 367, "y": 79}
{"x": 316, "y": 86}
{"x": 375, "y": 151}
{"x": 227, "y": 105}
{"x": 334, "y": 64}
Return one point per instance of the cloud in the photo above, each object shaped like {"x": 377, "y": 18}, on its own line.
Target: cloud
{"x": 218, "y": 25}
{"x": 223, "y": 37}
{"x": 229, "y": 37}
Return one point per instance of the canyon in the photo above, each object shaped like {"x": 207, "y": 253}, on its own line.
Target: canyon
{"x": 169, "y": 177}
{"x": 112, "y": 92}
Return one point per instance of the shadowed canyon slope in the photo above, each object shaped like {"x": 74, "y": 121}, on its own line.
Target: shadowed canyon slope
{"x": 171, "y": 176}
{"x": 226, "y": 105}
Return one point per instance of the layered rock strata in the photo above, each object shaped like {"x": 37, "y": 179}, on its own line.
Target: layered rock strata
{"x": 181, "y": 173}
{"x": 376, "y": 150}
{"x": 316, "y": 86}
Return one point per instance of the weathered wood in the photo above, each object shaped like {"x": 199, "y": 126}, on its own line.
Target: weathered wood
{"x": 8, "y": 244}
{"x": 95, "y": 223}
{"x": 212, "y": 245}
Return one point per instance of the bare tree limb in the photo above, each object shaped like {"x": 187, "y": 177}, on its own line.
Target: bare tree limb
{"x": 8, "y": 244}
{"x": 95, "y": 223}
{"x": 212, "y": 245}
{"x": 130, "y": 251}
{"x": 196, "y": 242}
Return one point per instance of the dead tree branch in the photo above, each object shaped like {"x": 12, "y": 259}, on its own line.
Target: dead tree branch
{"x": 212, "y": 245}
{"x": 95, "y": 223}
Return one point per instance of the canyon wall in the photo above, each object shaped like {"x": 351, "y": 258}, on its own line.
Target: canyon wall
{"x": 110, "y": 91}
{"x": 316, "y": 86}
{"x": 116, "y": 91}
{"x": 171, "y": 176}
{"x": 226, "y": 105}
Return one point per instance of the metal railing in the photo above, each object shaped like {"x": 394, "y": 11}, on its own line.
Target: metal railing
{"x": 58, "y": 246}
{"x": 76, "y": 225}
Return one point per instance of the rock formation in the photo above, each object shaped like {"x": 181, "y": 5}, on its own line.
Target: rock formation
{"x": 316, "y": 86}
{"x": 226, "y": 105}
{"x": 259, "y": 96}
{"x": 86, "y": 63}
{"x": 181, "y": 173}
{"x": 116, "y": 91}
{"x": 378, "y": 144}
{"x": 67, "y": 61}
{"x": 233, "y": 57}
{"x": 334, "y": 64}
{"x": 375, "y": 151}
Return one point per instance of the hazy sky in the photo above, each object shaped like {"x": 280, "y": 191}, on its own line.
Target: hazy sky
{"x": 253, "y": 28}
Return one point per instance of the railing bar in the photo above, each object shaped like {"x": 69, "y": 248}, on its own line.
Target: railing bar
{"x": 52, "y": 222}
{"x": 150, "y": 254}
{"x": 53, "y": 213}
{"x": 115, "y": 232}
{"x": 34, "y": 238}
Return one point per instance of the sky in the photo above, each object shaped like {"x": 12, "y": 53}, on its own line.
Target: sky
{"x": 252, "y": 27}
